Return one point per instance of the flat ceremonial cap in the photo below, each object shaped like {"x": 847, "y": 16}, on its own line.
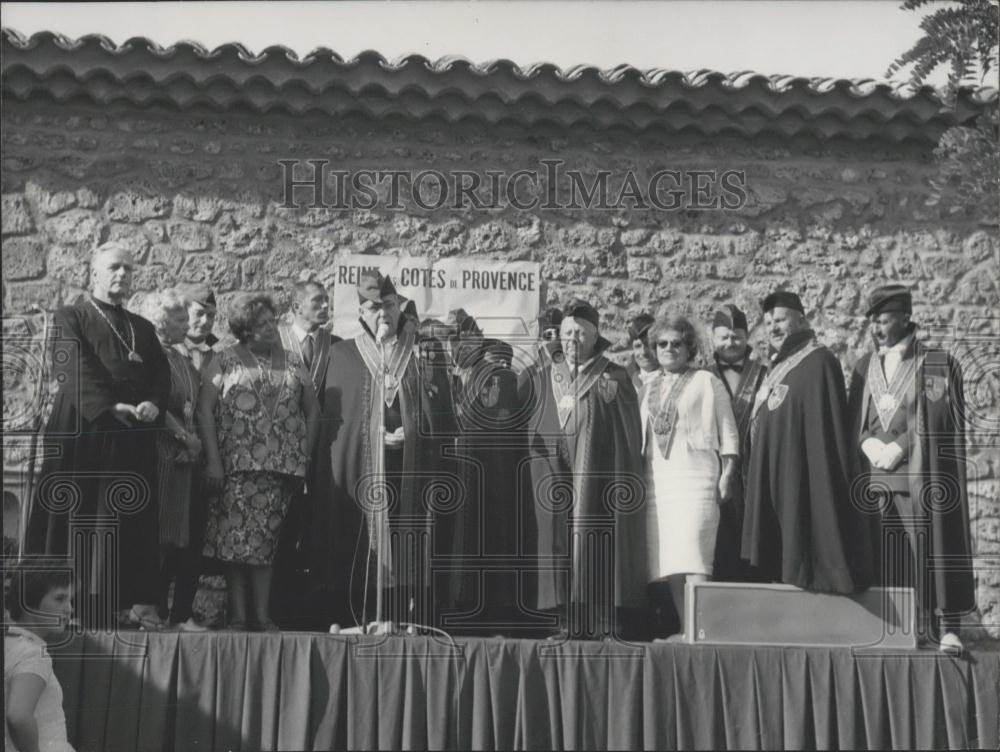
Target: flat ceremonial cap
{"x": 639, "y": 326}
{"x": 372, "y": 285}
{"x": 890, "y": 299}
{"x": 782, "y": 299}
{"x": 730, "y": 317}
{"x": 581, "y": 309}
{"x": 198, "y": 293}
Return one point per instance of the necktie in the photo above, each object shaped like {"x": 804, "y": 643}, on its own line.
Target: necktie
{"x": 307, "y": 350}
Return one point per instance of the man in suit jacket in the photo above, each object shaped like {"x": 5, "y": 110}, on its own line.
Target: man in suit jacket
{"x": 907, "y": 405}
{"x": 742, "y": 374}
{"x": 308, "y": 333}
{"x": 308, "y": 336}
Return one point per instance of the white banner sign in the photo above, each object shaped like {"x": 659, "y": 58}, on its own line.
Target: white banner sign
{"x": 503, "y": 296}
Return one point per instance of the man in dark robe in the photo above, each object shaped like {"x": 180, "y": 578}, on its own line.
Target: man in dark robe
{"x": 96, "y": 495}
{"x": 800, "y": 526}
{"x": 643, "y": 365}
{"x": 585, "y": 451}
{"x": 385, "y": 417}
{"x": 307, "y": 335}
{"x": 741, "y": 374}
{"x": 486, "y": 531}
{"x": 916, "y": 477}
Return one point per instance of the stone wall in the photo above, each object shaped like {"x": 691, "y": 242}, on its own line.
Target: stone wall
{"x": 197, "y": 196}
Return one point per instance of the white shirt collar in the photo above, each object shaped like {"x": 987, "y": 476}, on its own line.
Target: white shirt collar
{"x": 300, "y": 332}
{"x": 199, "y": 346}
{"x": 898, "y": 348}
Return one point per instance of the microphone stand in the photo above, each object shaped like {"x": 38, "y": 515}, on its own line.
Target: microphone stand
{"x": 380, "y": 625}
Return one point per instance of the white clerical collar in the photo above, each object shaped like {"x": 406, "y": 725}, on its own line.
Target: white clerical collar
{"x": 900, "y": 347}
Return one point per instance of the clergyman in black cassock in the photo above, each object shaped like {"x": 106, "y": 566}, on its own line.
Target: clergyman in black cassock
{"x": 584, "y": 444}
{"x": 98, "y": 478}
{"x": 801, "y": 527}
{"x": 907, "y": 406}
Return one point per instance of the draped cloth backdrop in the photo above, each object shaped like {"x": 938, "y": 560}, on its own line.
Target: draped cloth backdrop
{"x": 309, "y": 691}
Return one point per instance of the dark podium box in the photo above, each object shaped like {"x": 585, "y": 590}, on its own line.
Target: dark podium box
{"x": 769, "y": 614}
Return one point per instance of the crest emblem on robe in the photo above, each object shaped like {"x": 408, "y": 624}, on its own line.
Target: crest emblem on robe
{"x": 608, "y": 388}
{"x": 776, "y": 396}
{"x": 490, "y": 393}
{"x": 935, "y": 387}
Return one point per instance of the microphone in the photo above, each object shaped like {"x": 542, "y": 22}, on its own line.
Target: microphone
{"x": 383, "y": 332}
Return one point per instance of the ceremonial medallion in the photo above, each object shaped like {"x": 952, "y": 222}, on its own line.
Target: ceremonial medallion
{"x": 887, "y": 403}
{"x": 135, "y": 357}
{"x": 188, "y": 409}
{"x": 567, "y": 402}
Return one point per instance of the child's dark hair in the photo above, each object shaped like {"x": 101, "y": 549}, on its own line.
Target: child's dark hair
{"x": 32, "y": 579}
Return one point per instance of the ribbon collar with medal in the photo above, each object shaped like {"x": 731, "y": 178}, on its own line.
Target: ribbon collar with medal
{"x": 567, "y": 390}
{"x": 663, "y": 416}
{"x": 888, "y": 397}
{"x": 390, "y": 373}
{"x": 133, "y": 356}
{"x": 181, "y": 375}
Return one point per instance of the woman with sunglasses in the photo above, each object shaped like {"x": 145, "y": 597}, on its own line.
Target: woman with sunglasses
{"x": 690, "y": 447}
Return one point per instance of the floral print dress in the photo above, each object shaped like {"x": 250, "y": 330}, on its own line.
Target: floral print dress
{"x": 261, "y": 430}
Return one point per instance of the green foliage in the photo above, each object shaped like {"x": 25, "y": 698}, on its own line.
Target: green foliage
{"x": 965, "y": 36}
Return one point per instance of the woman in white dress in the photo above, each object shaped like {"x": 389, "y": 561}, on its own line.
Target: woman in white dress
{"x": 688, "y": 432}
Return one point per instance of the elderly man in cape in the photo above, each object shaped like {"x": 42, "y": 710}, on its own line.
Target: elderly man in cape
{"x": 917, "y": 475}
{"x": 585, "y": 447}
{"x": 801, "y": 527}
{"x": 742, "y": 374}
{"x": 385, "y": 417}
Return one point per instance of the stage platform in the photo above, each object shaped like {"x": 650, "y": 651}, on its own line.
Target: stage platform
{"x": 238, "y": 691}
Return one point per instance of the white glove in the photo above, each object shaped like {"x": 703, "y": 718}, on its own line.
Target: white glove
{"x": 892, "y": 453}
{"x": 873, "y": 449}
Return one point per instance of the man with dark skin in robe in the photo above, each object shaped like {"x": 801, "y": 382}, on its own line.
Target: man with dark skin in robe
{"x": 917, "y": 478}
{"x": 801, "y": 527}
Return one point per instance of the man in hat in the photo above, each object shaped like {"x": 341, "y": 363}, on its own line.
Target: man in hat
{"x": 113, "y": 391}
{"x": 643, "y": 366}
{"x": 585, "y": 451}
{"x": 383, "y": 418}
{"x": 309, "y": 336}
{"x": 741, "y": 374}
{"x": 899, "y": 386}
{"x": 199, "y": 343}
{"x": 800, "y": 526}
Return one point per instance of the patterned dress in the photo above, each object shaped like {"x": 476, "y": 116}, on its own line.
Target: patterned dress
{"x": 261, "y": 429}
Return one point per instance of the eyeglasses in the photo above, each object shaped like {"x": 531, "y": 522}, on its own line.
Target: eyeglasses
{"x": 674, "y": 344}
{"x": 550, "y": 334}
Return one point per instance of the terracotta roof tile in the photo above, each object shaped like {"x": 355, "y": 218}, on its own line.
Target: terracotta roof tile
{"x": 187, "y": 74}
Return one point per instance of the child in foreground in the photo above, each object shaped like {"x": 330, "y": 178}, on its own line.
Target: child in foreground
{"x": 39, "y": 603}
